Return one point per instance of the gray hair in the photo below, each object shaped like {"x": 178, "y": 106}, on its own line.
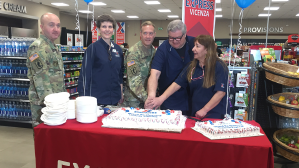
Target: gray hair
{"x": 176, "y": 25}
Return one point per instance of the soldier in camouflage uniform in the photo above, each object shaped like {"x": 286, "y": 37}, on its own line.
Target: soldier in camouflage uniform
{"x": 45, "y": 66}
{"x": 137, "y": 62}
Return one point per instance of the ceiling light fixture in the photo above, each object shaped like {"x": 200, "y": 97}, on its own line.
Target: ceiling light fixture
{"x": 297, "y": 14}
{"x": 172, "y": 16}
{"x": 271, "y": 8}
{"x": 152, "y": 2}
{"x": 60, "y": 4}
{"x": 98, "y": 3}
{"x": 280, "y": 0}
{"x": 218, "y": 15}
{"x": 85, "y": 11}
{"x": 164, "y": 10}
{"x": 117, "y": 11}
{"x": 218, "y": 9}
{"x": 263, "y": 15}
{"x": 132, "y": 16}
{"x": 218, "y": 1}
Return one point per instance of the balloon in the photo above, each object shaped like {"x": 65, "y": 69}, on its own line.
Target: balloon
{"x": 244, "y": 3}
{"x": 87, "y": 1}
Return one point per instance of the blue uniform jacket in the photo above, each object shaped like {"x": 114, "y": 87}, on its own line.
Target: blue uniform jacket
{"x": 170, "y": 64}
{"x": 101, "y": 77}
{"x": 201, "y": 96}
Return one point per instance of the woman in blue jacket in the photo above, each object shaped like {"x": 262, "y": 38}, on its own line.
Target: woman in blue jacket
{"x": 101, "y": 73}
{"x": 206, "y": 76}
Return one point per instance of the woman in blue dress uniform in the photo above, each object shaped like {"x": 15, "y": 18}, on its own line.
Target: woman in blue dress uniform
{"x": 102, "y": 68}
{"x": 206, "y": 77}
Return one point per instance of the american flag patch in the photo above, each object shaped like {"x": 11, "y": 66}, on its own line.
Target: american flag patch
{"x": 33, "y": 57}
{"x": 131, "y": 63}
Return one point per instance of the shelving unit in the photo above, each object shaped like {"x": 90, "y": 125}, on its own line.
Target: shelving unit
{"x": 11, "y": 121}
{"x": 72, "y": 88}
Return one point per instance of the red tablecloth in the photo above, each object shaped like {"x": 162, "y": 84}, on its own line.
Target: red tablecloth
{"x": 76, "y": 145}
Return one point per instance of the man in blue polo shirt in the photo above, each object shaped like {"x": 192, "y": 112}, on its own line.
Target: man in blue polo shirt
{"x": 170, "y": 59}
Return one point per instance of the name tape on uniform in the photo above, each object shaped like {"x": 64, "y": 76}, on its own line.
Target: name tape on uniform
{"x": 130, "y": 63}
{"x": 33, "y": 57}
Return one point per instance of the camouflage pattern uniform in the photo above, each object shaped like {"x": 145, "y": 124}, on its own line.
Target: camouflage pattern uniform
{"x": 45, "y": 72}
{"x": 137, "y": 62}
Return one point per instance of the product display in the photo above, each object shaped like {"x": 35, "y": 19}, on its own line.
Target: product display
{"x": 226, "y": 129}
{"x": 156, "y": 120}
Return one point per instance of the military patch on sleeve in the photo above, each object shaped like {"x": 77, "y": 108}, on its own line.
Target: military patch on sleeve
{"x": 39, "y": 64}
{"x": 33, "y": 57}
{"x": 132, "y": 70}
{"x": 131, "y": 63}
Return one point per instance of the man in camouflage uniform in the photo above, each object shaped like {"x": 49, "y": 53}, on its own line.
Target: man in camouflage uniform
{"x": 45, "y": 66}
{"x": 137, "y": 63}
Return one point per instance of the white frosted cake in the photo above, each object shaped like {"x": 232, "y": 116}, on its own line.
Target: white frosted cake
{"x": 157, "y": 120}
{"x": 225, "y": 129}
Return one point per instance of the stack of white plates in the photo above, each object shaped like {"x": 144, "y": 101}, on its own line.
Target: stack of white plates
{"x": 55, "y": 112}
{"x": 86, "y": 109}
{"x": 71, "y": 112}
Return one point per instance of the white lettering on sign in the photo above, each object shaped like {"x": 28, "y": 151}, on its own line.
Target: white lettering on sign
{"x": 199, "y": 12}
{"x": 61, "y": 163}
{"x": 14, "y": 8}
{"x": 262, "y": 29}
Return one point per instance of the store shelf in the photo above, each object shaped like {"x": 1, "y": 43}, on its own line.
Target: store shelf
{"x": 72, "y": 52}
{"x": 69, "y": 86}
{"x": 17, "y": 79}
{"x": 72, "y": 69}
{"x": 238, "y": 68}
{"x": 21, "y": 58}
{"x": 72, "y": 61}
{"x": 16, "y": 121}
{"x": 77, "y": 77}
{"x": 73, "y": 94}
{"x": 15, "y": 99}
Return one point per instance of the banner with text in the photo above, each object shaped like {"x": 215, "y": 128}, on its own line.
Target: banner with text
{"x": 199, "y": 17}
{"x": 94, "y": 32}
{"x": 120, "y": 33}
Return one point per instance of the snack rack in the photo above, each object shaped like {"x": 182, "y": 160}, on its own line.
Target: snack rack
{"x": 72, "y": 61}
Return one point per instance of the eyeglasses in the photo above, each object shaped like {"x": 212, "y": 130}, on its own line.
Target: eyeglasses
{"x": 203, "y": 74}
{"x": 175, "y": 38}
{"x": 110, "y": 56}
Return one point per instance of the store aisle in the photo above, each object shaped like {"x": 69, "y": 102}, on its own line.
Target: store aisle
{"x": 16, "y": 147}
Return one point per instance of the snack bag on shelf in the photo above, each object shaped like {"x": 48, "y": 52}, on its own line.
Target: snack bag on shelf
{"x": 268, "y": 54}
{"x": 240, "y": 114}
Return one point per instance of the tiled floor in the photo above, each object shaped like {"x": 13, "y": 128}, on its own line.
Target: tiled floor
{"x": 17, "y": 149}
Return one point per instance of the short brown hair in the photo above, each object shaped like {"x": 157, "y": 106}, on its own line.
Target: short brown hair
{"x": 105, "y": 18}
{"x": 147, "y": 23}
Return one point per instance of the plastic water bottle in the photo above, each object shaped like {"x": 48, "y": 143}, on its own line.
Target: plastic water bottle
{"x": 17, "y": 47}
{"x": 13, "y": 47}
{"x": 1, "y": 88}
{"x": 4, "y": 69}
{"x": 9, "y": 68}
{"x": 1, "y": 70}
{"x": 24, "y": 48}
{"x": 8, "y": 47}
{"x": 5, "y": 108}
{"x": 2, "y": 47}
{"x": 26, "y": 86}
{"x": 28, "y": 111}
{"x": 15, "y": 89}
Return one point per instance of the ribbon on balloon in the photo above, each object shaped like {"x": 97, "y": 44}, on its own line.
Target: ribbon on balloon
{"x": 242, "y": 4}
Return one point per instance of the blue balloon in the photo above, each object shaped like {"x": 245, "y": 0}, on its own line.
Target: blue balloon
{"x": 87, "y": 1}
{"x": 244, "y": 3}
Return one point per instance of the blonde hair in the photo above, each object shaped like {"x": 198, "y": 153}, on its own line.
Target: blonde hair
{"x": 146, "y": 23}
